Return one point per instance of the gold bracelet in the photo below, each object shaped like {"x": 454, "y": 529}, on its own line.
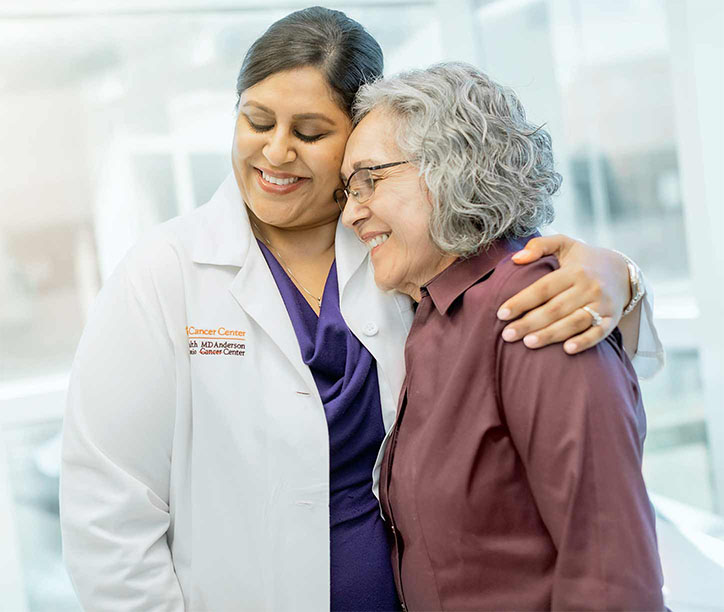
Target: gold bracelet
{"x": 634, "y": 278}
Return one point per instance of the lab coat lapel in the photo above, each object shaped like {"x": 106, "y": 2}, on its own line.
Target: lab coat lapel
{"x": 222, "y": 236}
{"x": 256, "y": 292}
{"x": 350, "y": 254}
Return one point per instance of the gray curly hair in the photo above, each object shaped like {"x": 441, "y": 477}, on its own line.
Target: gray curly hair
{"x": 488, "y": 170}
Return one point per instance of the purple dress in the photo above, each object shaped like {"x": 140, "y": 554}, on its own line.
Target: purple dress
{"x": 346, "y": 377}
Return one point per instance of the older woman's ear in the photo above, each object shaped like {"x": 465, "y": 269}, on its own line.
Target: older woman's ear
{"x": 553, "y": 306}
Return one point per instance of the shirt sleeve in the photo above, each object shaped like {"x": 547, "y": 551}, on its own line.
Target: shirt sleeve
{"x": 650, "y": 356}
{"x": 578, "y": 425}
{"x": 116, "y": 457}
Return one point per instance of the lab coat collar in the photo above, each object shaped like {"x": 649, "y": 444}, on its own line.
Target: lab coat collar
{"x": 350, "y": 254}
{"x": 221, "y": 234}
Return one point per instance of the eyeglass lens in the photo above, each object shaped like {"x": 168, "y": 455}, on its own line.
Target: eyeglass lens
{"x": 361, "y": 186}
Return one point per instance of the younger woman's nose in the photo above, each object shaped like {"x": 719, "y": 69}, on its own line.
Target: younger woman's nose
{"x": 279, "y": 150}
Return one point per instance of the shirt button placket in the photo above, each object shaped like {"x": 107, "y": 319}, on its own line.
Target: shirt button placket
{"x": 396, "y": 537}
{"x": 370, "y": 329}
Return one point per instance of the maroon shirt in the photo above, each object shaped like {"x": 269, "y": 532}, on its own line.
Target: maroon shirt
{"x": 512, "y": 480}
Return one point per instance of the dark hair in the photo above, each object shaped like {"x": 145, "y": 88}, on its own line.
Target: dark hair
{"x": 341, "y": 48}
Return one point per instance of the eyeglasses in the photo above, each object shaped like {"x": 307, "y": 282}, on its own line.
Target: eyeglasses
{"x": 361, "y": 184}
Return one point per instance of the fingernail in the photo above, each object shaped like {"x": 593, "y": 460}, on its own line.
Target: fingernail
{"x": 504, "y": 313}
{"x": 569, "y": 347}
{"x": 519, "y": 254}
{"x": 530, "y": 341}
{"x": 509, "y": 334}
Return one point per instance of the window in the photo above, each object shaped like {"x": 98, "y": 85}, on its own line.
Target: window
{"x": 115, "y": 119}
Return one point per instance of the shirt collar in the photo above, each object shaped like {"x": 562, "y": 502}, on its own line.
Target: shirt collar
{"x": 455, "y": 280}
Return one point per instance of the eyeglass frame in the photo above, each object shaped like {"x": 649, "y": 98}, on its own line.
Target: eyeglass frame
{"x": 345, "y": 190}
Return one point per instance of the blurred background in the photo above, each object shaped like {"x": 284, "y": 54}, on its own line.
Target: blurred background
{"x": 117, "y": 115}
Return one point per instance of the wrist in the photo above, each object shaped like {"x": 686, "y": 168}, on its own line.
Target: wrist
{"x": 636, "y": 284}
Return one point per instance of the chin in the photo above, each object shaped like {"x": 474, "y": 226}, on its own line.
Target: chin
{"x": 385, "y": 283}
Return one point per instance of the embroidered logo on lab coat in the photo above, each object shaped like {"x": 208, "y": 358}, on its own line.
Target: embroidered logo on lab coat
{"x": 216, "y": 341}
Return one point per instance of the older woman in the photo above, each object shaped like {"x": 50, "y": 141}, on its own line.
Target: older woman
{"x": 512, "y": 478}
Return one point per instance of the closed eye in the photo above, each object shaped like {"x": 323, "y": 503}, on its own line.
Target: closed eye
{"x": 257, "y": 127}
{"x": 309, "y": 138}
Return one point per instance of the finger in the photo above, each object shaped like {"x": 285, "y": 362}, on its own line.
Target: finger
{"x": 590, "y": 337}
{"x": 540, "y": 246}
{"x": 535, "y": 295}
{"x": 575, "y": 323}
{"x": 555, "y": 309}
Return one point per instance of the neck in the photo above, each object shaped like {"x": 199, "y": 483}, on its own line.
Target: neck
{"x": 414, "y": 288}
{"x": 306, "y": 242}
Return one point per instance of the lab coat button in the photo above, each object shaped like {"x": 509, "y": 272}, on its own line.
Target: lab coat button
{"x": 370, "y": 329}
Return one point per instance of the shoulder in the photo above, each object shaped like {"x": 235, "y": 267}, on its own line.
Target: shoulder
{"x": 214, "y": 233}
{"x": 164, "y": 250}
{"x": 154, "y": 271}
{"x": 154, "y": 261}
{"x": 607, "y": 358}
{"x": 483, "y": 299}
{"x": 509, "y": 278}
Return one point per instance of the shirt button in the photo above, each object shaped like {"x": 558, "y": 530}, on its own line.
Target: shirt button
{"x": 370, "y": 329}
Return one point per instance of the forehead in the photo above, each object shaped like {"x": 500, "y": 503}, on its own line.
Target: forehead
{"x": 301, "y": 90}
{"x": 372, "y": 141}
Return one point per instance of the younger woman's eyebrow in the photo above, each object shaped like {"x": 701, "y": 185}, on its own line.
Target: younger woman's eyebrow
{"x": 297, "y": 117}
{"x": 259, "y": 106}
{"x": 320, "y": 116}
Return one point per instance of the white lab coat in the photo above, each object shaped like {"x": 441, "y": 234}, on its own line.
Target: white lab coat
{"x": 197, "y": 481}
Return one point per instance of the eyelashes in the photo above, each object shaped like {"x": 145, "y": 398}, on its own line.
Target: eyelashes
{"x": 303, "y": 137}
{"x": 258, "y": 128}
{"x": 306, "y": 138}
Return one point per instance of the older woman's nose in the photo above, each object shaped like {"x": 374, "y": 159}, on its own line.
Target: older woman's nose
{"x": 279, "y": 149}
{"x": 354, "y": 212}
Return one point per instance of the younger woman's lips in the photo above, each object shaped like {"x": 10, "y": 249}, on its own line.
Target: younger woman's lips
{"x": 278, "y": 189}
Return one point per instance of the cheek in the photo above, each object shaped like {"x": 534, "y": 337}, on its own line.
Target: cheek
{"x": 245, "y": 143}
{"x": 328, "y": 160}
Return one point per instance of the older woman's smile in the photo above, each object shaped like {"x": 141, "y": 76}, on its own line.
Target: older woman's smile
{"x": 373, "y": 240}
